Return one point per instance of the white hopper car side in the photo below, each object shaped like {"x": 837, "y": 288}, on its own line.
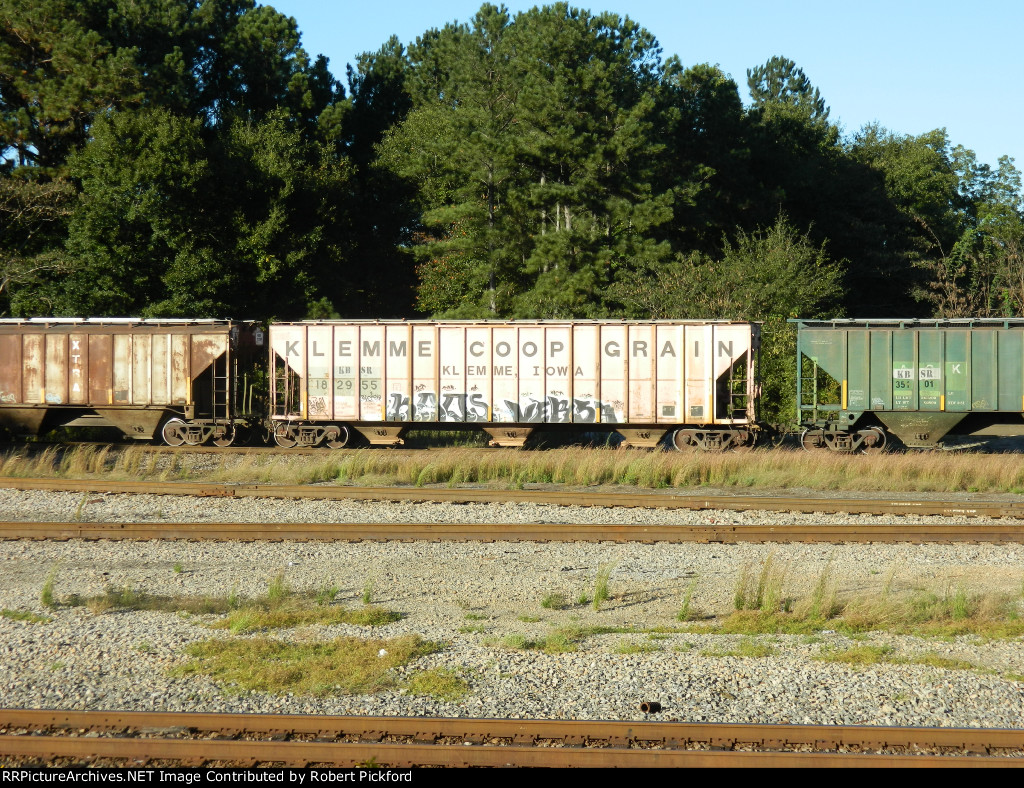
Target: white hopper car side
{"x": 693, "y": 380}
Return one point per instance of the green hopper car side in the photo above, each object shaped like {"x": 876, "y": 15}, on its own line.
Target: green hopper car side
{"x": 860, "y": 382}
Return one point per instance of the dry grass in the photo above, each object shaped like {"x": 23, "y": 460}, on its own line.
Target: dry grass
{"x": 575, "y": 466}
{"x": 762, "y": 606}
{"x": 279, "y": 608}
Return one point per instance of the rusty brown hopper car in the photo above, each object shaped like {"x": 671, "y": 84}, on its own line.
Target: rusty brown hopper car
{"x": 693, "y": 382}
{"x": 188, "y": 381}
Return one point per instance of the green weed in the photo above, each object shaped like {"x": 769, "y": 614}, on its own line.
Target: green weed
{"x": 343, "y": 666}
{"x": 24, "y": 615}
{"x": 442, "y": 683}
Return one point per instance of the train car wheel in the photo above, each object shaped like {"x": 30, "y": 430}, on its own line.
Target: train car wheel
{"x": 338, "y": 437}
{"x": 174, "y": 432}
{"x": 682, "y": 440}
{"x": 812, "y": 440}
{"x": 227, "y": 438}
{"x": 283, "y": 436}
{"x": 874, "y": 440}
{"x": 743, "y": 441}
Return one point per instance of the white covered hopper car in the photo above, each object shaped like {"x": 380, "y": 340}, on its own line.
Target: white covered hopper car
{"x": 694, "y": 380}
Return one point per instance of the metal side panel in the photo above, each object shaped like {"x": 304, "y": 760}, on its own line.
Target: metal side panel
{"x": 371, "y": 372}
{"x": 10, "y": 369}
{"x": 78, "y": 366}
{"x": 614, "y": 374}
{"x": 931, "y": 351}
{"x": 319, "y": 378}
{"x": 984, "y": 370}
{"x": 957, "y": 379}
{"x": 586, "y": 382}
{"x": 55, "y": 381}
{"x": 669, "y": 349}
{"x": 1010, "y": 397}
{"x": 34, "y": 361}
{"x": 346, "y": 372}
{"x": 101, "y": 369}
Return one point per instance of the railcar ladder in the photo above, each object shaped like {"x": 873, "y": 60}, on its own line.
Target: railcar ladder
{"x": 738, "y": 400}
{"x": 221, "y": 390}
{"x": 284, "y": 388}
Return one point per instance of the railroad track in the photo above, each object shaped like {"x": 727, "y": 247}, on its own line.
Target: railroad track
{"x": 515, "y": 532}
{"x": 141, "y": 739}
{"x": 646, "y": 500}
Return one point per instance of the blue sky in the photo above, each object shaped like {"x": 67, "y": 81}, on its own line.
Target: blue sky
{"x": 911, "y": 65}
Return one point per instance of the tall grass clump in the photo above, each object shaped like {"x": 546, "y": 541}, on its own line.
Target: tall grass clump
{"x": 46, "y": 597}
{"x": 763, "y": 591}
{"x": 761, "y": 607}
{"x": 688, "y": 612}
{"x": 277, "y": 590}
{"x": 953, "y": 611}
{"x": 602, "y": 592}
{"x": 822, "y": 605}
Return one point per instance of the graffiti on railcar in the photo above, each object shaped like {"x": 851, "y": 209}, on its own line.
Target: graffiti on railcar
{"x": 426, "y": 406}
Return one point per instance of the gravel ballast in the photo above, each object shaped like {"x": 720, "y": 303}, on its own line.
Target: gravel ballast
{"x": 471, "y": 597}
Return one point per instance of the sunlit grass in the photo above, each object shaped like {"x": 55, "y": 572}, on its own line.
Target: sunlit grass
{"x": 279, "y": 608}
{"x": 762, "y": 606}
{"x": 343, "y": 666}
{"x": 575, "y": 466}
{"x": 24, "y": 615}
{"x": 748, "y": 648}
{"x": 865, "y": 655}
{"x": 441, "y": 683}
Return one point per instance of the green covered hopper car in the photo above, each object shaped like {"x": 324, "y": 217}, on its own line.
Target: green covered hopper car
{"x": 859, "y": 382}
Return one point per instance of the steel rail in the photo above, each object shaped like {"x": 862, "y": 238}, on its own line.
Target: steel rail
{"x": 514, "y": 532}
{"x": 311, "y": 754}
{"x": 445, "y": 741}
{"x": 648, "y": 500}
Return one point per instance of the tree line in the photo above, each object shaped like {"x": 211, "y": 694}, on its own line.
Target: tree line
{"x": 189, "y": 157}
